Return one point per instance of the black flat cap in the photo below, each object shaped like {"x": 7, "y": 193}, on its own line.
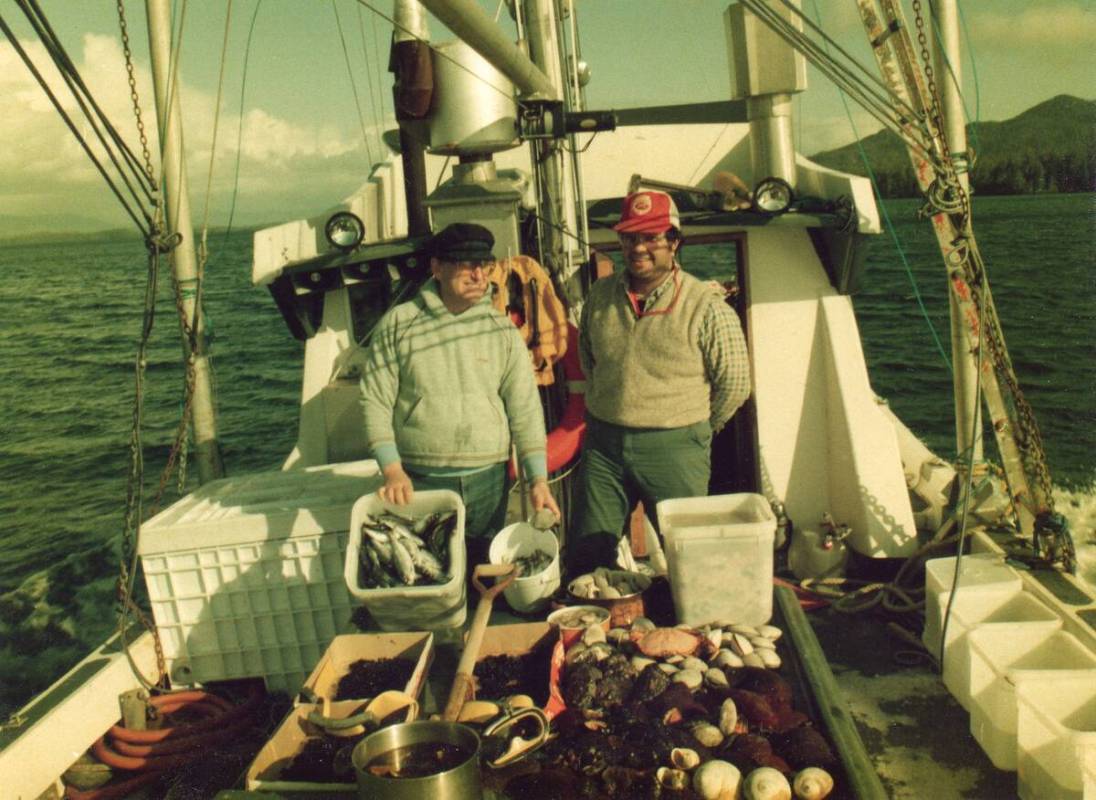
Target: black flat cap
{"x": 463, "y": 241}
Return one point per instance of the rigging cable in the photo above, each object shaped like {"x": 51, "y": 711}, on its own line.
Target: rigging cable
{"x": 353, "y": 84}
{"x": 889, "y": 224}
{"x": 240, "y": 125}
{"x": 375, "y": 102}
{"x": 144, "y": 227}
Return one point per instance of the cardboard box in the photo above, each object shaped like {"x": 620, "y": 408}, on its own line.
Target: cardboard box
{"x": 350, "y": 648}
{"x": 265, "y": 771}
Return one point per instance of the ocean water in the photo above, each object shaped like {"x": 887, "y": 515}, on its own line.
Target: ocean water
{"x": 71, "y": 318}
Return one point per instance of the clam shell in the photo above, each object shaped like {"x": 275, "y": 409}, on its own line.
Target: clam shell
{"x": 770, "y": 632}
{"x": 740, "y": 643}
{"x": 728, "y": 717}
{"x": 707, "y": 734}
{"x": 574, "y": 654}
{"x": 478, "y": 711}
{"x": 683, "y": 626}
{"x": 769, "y": 658}
{"x": 690, "y": 677}
{"x": 761, "y": 643}
{"x": 745, "y": 630}
{"x": 727, "y": 658}
{"x": 715, "y": 636}
{"x": 611, "y": 593}
{"x": 754, "y": 660}
{"x": 639, "y": 662}
{"x": 617, "y": 636}
{"x": 593, "y": 634}
{"x": 684, "y": 758}
{"x": 670, "y": 778}
{"x": 692, "y": 662}
{"x": 642, "y": 624}
{"x": 516, "y": 701}
{"x": 715, "y": 678}
{"x": 812, "y": 783}
{"x": 675, "y": 659}
{"x": 669, "y": 669}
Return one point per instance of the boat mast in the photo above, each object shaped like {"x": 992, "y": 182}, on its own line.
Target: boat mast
{"x": 968, "y": 439}
{"x": 183, "y": 258}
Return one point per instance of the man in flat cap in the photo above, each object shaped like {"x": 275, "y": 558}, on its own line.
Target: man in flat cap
{"x": 447, "y": 385}
{"x": 666, "y": 367}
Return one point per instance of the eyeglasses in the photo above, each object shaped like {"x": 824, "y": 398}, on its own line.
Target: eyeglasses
{"x": 650, "y": 241}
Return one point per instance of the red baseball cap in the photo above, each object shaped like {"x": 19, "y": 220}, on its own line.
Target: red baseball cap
{"x": 648, "y": 212}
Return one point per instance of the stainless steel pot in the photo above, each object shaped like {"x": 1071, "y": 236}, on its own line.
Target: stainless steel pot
{"x": 461, "y": 782}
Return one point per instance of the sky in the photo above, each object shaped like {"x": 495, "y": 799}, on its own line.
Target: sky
{"x": 300, "y": 132}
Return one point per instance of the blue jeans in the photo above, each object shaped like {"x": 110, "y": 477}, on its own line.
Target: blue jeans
{"x": 484, "y": 494}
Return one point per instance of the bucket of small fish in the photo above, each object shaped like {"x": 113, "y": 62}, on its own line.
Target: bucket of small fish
{"x": 406, "y": 563}
{"x": 537, "y": 553}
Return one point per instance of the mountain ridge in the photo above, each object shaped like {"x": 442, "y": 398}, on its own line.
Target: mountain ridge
{"x": 1050, "y": 147}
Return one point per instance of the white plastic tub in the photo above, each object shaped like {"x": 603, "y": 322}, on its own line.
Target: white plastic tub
{"x": 1003, "y": 655}
{"x": 974, "y": 608}
{"x": 1056, "y": 737}
{"x": 411, "y": 608}
{"x": 528, "y": 592}
{"x": 719, "y": 551}
{"x": 986, "y": 573}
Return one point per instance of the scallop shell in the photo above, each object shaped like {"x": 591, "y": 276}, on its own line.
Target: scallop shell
{"x": 769, "y": 658}
{"x": 728, "y": 717}
{"x": 770, "y": 632}
{"x": 740, "y": 644}
{"x": 766, "y": 783}
{"x": 707, "y": 734}
{"x": 684, "y": 758}
{"x": 753, "y": 660}
{"x": 812, "y": 783}
{"x": 715, "y": 678}
{"x": 690, "y": 677}
{"x": 670, "y": 778}
{"x": 727, "y": 658}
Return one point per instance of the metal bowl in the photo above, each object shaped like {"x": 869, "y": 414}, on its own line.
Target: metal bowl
{"x": 460, "y": 782}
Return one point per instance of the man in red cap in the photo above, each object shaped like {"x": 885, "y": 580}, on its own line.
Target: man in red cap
{"x": 666, "y": 367}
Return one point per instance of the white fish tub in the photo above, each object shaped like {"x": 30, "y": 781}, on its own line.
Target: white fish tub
{"x": 719, "y": 551}
{"x": 986, "y": 573}
{"x": 1001, "y": 656}
{"x": 1056, "y": 738}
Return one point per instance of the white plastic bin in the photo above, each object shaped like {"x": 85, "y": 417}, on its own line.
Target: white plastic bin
{"x": 974, "y": 608}
{"x": 719, "y": 551}
{"x": 985, "y": 572}
{"x": 411, "y": 608}
{"x": 244, "y": 574}
{"x": 528, "y": 592}
{"x": 1056, "y": 737}
{"x": 1000, "y": 657}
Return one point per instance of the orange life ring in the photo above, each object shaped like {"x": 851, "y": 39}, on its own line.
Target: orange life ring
{"x": 565, "y": 440}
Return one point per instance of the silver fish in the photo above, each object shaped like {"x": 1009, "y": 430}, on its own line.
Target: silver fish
{"x": 402, "y": 559}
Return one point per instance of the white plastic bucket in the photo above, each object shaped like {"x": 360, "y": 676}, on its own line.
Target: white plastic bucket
{"x": 527, "y": 593}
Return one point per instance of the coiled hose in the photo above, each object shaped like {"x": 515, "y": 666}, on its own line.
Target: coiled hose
{"x": 151, "y": 752}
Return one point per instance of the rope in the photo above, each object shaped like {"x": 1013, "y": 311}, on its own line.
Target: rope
{"x": 202, "y": 250}
{"x": 353, "y": 83}
{"x": 240, "y": 126}
{"x": 375, "y": 102}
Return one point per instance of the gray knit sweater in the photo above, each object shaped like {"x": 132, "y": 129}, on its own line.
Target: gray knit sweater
{"x": 450, "y": 390}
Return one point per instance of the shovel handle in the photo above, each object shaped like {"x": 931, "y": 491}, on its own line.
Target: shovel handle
{"x": 506, "y": 573}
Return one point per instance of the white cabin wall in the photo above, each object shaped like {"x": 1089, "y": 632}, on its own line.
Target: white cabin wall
{"x": 823, "y": 443}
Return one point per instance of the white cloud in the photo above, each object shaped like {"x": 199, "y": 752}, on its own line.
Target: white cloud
{"x": 1055, "y": 29}
{"x": 44, "y": 170}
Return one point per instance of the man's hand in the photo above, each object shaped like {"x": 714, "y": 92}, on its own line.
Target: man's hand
{"x": 542, "y": 497}
{"x": 397, "y": 485}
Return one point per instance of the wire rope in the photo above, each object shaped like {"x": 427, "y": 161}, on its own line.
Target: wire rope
{"x": 375, "y": 103}
{"x": 888, "y": 223}
{"x": 213, "y": 143}
{"x": 240, "y": 124}
{"x": 10, "y": 34}
{"x": 353, "y": 83}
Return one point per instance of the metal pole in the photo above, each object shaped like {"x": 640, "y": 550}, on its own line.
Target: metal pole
{"x": 472, "y": 24}
{"x": 965, "y": 371}
{"x": 183, "y": 259}
{"x": 411, "y": 26}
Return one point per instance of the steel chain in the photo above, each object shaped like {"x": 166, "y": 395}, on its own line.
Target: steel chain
{"x": 149, "y": 171}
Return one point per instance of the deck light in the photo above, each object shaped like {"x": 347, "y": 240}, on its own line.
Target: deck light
{"x": 344, "y": 230}
{"x": 772, "y": 196}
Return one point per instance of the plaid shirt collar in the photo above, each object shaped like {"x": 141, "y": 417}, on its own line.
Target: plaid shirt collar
{"x": 644, "y": 304}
